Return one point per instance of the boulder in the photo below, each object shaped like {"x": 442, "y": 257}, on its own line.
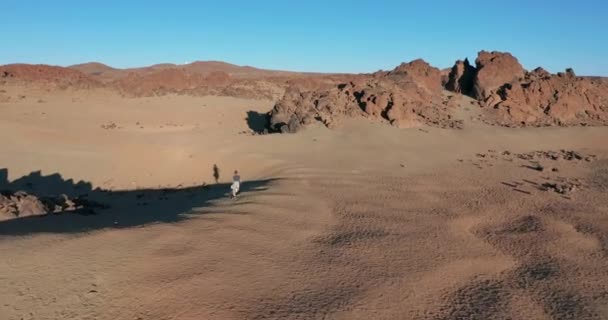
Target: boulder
{"x": 20, "y": 204}
{"x": 494, "y": 70}
{"x": 422, "y": 73}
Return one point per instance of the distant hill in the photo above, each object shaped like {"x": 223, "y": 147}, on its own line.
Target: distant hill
{"x": 104, "y": 73}
{"x": 98, "y": 71}
{"x": 197, "y": 78}
{"x": 40, "y": 73}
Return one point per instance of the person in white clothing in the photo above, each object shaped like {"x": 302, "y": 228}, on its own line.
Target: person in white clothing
{"x": 236, "y": 184}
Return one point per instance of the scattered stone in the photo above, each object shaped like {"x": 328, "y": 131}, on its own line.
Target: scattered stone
{"x": 561, "y": 188}
{"x": 109, "y": 126}
{"x": 21, "y": 204}
{"x": 537, "y": 167}
{"x": 567, "y": 155}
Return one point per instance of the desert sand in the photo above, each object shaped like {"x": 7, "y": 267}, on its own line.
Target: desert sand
{"x": 362, "y": 220}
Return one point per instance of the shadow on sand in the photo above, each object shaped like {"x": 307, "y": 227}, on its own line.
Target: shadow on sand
{"x": 258, "y": 122}
{"x": 126, "y": 208}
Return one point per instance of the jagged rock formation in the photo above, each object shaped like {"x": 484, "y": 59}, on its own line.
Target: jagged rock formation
{"x": 422, "y": 73}
{"x": 461, "y": 78}
{"x": 408, "y": 96}
{"x": 511, "y": 96}
{"x": 544, "y": 99}
{"x": 494, "y": 69}
{"x": 22, "y": 204}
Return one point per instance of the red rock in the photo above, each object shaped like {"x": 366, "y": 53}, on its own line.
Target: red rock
{"x": 422, "y": 73}
{"x": 511, "y": 96}
{"x": 543, "y": 99}
{"x": 40, "y": 74}
{"x": 494, "y": 70}
{"x": 408, "y": 96}
{"x": 461, "y": 78}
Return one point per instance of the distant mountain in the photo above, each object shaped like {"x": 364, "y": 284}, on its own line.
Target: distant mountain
{"x": 40, "y": 73}
{"x": 98, "y": 71}
{"x": 106, "y": 73}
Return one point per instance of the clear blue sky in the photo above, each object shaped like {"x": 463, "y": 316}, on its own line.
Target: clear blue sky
{"x": 311, "y": 35}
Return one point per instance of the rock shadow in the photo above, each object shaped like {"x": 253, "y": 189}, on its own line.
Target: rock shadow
{"x": 258, "y": 122}
{"x": 122, "y": 208}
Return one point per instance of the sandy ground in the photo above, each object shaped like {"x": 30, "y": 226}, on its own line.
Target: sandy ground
{"x": 362, "y": 222}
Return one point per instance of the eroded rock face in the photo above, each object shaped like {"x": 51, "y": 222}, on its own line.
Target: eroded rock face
{"x": 544, "y": 99}
{"x": 494, "y": 69}
{"x": 513, "y": 97}
{"x": 461, "y": 78}
{"x": 423, "y": 74}
{"x": 407, "y": 96}
{"x": 21, "y": 204}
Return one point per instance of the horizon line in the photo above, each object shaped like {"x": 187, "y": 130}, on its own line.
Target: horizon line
{"x": 261, "y": 68}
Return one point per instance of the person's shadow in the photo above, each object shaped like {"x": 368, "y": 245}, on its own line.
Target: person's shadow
{"x": 121, "y": 208}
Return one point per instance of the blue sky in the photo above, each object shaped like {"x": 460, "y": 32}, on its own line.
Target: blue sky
{"x": 329, "y": 36}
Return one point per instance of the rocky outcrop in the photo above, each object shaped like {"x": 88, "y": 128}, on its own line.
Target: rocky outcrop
{"x": 408, "y": 96}
{"x": 512, "y": 96}
{"x": 494, "y": 69}
{"x": 542, "y": 99}
{"x": 422, "y": 73}
{"x": 22, "y": 204}
{"x": 462, "y": 77}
